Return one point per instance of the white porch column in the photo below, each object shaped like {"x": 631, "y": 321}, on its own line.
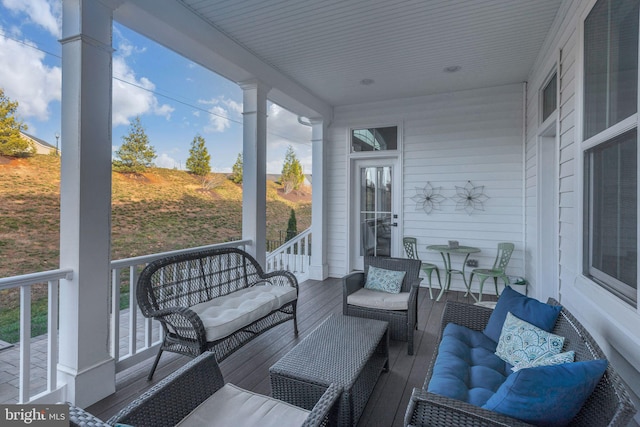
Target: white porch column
{"x": 254, "y": 167}
{"x": 85, "y": 365}
{"x": 319, "y": 270}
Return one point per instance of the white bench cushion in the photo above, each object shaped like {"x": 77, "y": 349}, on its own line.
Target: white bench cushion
{"x": 224, "y": 315}
{"x": 233, "y": 406}
{"x": 376, "y": 299}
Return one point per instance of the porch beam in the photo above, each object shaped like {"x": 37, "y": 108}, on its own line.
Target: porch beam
{"x": 254, "y": 167}
{"x": 319, "y": 269}
{"x": 85, "y": 365}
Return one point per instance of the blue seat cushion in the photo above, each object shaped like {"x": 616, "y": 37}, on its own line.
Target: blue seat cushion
{"x": 466, "y": 367}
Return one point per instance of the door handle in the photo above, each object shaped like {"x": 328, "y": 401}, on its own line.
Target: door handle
{"x": 394, "y": 224}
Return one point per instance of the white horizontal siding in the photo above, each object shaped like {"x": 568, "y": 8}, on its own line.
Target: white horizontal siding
{"x": 448, "y": 140}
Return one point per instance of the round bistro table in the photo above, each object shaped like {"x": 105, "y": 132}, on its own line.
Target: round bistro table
{"x": 445, "y": 252}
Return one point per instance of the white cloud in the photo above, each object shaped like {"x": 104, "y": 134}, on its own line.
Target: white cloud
{"x": 218, "y": 120}
{"x": 284, "y": 130}
{"x": 166, "y": 161}
{"x": 133, "y": 96}
{"x": 221, "y": 113}
{"x": 25, "y": 78}
{"x": 44, "y": 13}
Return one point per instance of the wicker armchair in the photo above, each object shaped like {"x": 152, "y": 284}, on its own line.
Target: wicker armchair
{"x": 402, "y": 323}
{"x": 168, "y": 288}
{"x": 173, "y": 398}
{"x": 609, "y": 404}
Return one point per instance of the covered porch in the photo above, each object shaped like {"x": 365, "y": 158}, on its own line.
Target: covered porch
{"x": 249, "y": 367}
{"x": 485, "y": 99}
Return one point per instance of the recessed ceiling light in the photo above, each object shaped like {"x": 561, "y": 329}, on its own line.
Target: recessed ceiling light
{"x": 452, "y": 69}
{"x": 366, "y": 82}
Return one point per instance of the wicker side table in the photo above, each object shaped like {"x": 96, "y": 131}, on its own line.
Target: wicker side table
{"x": 348, "y": 351}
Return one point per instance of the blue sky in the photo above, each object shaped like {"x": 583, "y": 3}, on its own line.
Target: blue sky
{"x": 175, "y": 98}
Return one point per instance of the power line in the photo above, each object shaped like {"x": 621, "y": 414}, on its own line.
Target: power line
{"x": 177, "y": 100}
{"x": 154, "y": 92}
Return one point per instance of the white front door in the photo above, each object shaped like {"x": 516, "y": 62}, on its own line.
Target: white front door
{"x": 375, "y": 204}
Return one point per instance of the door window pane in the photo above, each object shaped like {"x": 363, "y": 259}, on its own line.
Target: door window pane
{"x": 610, "y": 64}
{"x": 375, "y": 211}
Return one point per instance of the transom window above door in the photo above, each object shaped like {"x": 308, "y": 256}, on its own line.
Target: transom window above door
{"x": 374, "y": 139}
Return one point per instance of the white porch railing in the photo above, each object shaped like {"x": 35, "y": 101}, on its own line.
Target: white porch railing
{"x": 127, "y": 346}
{"x": 25, "y": 283}
{"x": 294, "y": 256}
{"x": 133, "y": 338}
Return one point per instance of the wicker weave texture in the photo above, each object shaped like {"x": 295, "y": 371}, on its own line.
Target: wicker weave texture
{"x": 401, "y": 323}
{"x": 80, "y": 418}
{"x": 609, "y": 405}
{"x": 167, "y": 288}
{"x": 173, "y": 398}
{"x": 347, "y": 351}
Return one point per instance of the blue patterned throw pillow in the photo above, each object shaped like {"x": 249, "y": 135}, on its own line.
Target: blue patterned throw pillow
{"x": 379, "y": 279}
{"x": 522, "y": 344}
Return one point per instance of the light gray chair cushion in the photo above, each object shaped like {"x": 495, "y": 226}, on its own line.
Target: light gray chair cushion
{"x": 370, "y": 298}
{"x": 233, "y": 406}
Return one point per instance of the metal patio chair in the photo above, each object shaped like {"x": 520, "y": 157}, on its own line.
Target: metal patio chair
{"x": 411, "y": 249}
{"x": 498, "y": 271}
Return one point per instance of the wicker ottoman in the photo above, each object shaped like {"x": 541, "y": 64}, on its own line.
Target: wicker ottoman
{"x": 348, "y": 351}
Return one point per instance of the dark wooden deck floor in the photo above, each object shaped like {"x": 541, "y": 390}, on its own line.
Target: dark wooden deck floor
{"x": 249, "y": 367}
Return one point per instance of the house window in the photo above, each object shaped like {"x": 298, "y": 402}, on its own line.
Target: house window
{"x": 610, "y": 153}
{"x": 550, "y": 97}
{"x": 610, "y": 64}
{"x": 374, "y": 139}
{"x": 611, "y": 216}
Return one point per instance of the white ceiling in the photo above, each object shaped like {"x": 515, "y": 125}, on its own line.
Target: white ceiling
{"x": 330, "y": 46}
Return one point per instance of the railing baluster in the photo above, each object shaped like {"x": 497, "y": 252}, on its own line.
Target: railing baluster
{"x": 52, "y": 343}
{"x": 133, "y": 313}
{"x": 25, "y": 343}
{"x": 115, "y": 313}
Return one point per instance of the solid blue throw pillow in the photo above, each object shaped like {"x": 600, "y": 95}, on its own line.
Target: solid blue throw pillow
{"x": 530, "y": 310}
{"x": 547, "y": 395}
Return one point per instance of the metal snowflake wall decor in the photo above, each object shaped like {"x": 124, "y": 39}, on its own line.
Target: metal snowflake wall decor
{"x": 428, "y": 198}
{"x": 470, "y": 198}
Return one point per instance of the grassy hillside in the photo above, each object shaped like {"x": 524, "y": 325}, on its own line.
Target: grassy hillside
{"x": 157, "y": 211}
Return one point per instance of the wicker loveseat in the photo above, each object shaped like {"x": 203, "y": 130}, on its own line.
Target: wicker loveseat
{"x": 214, "y": 300}
{"x": 400, "y": 310}
{"x": 197, "y": 391}
{"x": 608, "y": 404}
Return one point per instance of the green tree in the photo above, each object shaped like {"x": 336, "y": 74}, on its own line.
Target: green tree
{"x": 292, "y": 226}
{"x": 198, "y": 161}
{"x": 11, "y": 142}
{"x": 292, "y": 176}
{"x": 236, "y": 170}
{"x": 135, "y": 154}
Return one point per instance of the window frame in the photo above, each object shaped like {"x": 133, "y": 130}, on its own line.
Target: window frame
{"x": 382, "y": 153}
{"x": 553, "y": 115}
{"x": 606, "y": 282}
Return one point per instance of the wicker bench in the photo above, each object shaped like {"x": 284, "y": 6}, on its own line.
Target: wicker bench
{"x": 199, "y": 384}
{"x": 608, "y": 405}
{"x": 214, "y": 300}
